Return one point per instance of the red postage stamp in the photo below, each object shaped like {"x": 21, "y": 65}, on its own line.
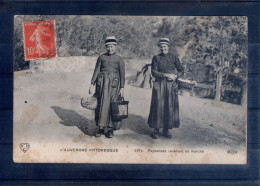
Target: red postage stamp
{"x": 39, "y": 39}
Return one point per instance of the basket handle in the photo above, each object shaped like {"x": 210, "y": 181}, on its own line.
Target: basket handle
{"x": 81, "y": 103}
{"x": 191, "y": 75}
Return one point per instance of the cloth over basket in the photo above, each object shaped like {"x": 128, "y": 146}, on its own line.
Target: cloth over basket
{"x": 89, "y": 103}
{"x": 188, "y": 82}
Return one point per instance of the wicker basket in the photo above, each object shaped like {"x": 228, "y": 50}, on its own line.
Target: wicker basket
{"x": 89, "y": 103}
{"x": 187, "y": 83}
{"x": 119, "y": 109}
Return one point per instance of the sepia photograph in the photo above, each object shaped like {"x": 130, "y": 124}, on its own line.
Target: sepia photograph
{"x": 130, "y": 89}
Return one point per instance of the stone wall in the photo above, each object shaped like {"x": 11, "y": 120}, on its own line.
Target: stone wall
{"x": 78, "y": 64}
{"x": 63, "y": 64}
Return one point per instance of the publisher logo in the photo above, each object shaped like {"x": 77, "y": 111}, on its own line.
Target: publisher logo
{"x": 24, "y": 147}
{"x": 232, "y": 151}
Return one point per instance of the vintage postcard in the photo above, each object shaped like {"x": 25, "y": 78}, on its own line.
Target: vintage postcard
{"x": 130, "y": 89}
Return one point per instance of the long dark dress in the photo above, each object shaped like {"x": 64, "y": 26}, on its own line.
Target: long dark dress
{"x": 109, "y": 77}
{"x": 164, "y": 109}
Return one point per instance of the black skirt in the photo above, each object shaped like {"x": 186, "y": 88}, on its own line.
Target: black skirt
{"x": 164, "y": 109}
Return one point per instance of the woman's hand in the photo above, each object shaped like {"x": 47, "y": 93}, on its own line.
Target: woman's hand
{"x": 171, "y": 76}
{"x": 91, "y": 89}
{"x": 122, "y": 92}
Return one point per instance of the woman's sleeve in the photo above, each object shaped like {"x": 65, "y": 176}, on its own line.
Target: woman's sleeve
{"x": 122, "y": 72}
{"x": 96, "y": 71}
{"x": 179, "y": 67}
{"x": 155, "y": 72}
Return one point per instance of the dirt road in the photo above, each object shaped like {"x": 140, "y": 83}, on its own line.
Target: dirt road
{"x": 47, "y": 108}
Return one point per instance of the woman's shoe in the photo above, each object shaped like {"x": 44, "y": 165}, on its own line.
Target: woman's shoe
{"x": 98, "y": 133}
{"x": 155, "y": 134}
{"x": 167, "y": 134}
{"x": 110, "y": 134}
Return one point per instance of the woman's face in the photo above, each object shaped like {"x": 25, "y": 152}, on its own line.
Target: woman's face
{"x": 111, "y": 49}
{"x": 164, "y": 48}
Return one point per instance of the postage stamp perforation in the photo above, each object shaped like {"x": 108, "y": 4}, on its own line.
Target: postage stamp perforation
{"x": 39, "y": 40}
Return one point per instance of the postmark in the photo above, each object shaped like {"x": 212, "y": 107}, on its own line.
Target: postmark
{"x": 39, "y": 39}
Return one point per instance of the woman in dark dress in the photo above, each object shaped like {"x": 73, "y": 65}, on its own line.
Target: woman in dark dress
{"x": 164, "y": 110}
{"x": 109, "y": 78}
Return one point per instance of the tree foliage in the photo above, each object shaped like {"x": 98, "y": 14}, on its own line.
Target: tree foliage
{"x": 215, "y": 41}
